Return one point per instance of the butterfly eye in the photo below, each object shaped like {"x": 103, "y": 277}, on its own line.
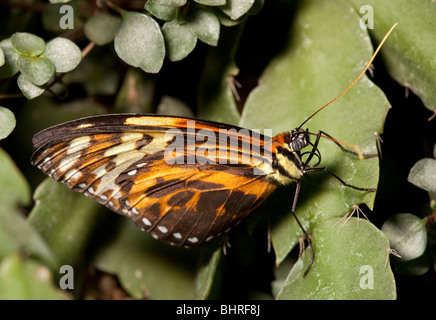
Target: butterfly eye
{"x": 299, "y": 140}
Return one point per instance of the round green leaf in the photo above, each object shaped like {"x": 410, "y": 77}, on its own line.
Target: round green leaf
{"x": 10, "y": 67}
{"x": 7, "y": 122}
{"x": 101, "y": 28}
{"x": 407, "y": 235}
{"x": 179, "y": 40}
{"x": 212, "y": 2}
{"x": 171, "y": 3}
{"x": 28, "y": 44}
{"x": 227, "y": 21}
{"x": 237, "y": 8}
{"x": 206, "y": 26}
{"x": 36, "y": 69}
{"x": 28, "y": 88}
{"x": 139, "y": 42}
{"x": 64, "y": 54}
{"x": 162, "y": 12}
{"x": 423, "y": 174}
{"x": 350, "y": 263}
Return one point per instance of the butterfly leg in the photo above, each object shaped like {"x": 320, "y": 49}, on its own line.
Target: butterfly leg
{"x": 314, "y": 151}
{"x": 294, "y": 204}
{"x": 337, "y": 178}
{"x": 365, "y": 155}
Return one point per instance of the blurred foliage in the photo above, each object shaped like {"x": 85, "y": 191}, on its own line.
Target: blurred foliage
{"x": 253, "y": 63}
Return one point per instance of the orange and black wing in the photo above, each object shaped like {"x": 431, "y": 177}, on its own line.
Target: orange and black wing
{"x": 185, "y": 181}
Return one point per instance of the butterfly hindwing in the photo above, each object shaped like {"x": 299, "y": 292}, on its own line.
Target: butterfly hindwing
{"x": 144, "y": 167}
{"x": 189, "y": 204}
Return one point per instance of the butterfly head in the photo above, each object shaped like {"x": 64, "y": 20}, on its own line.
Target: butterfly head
{"x": 299, "y": 139}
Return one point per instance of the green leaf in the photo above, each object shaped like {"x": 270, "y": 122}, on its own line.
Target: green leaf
{"x": 209, "y": 274}
{"x": 206, "y": 26}
{"x": 2, "y": 57}
{"x": 171, "y": 3}
{"x": 37, "y": 70}
{"x": 218, "y": 88}
{"x": 139, "y": 42}
{"x": 237, "y": 8}
{"x": 28, "y": 88}
{"x": 414, "y": 267}
{"x": 149, "y": 269}
{"x": 7, "y": 122}
{"x": 162, "y": 12}
{"x": 24, "y": 279}
{"x": 64, "y": 54}
{"x": 350, "y": 263}
{"x": 407, "y": 235}
{"x": 325, "y": 52}
{"x": 101, "y": 28}
{"x": 14, "y": 189}
{"x": 423, "y": 174}
{"x": 225, "y": 19}
{"x": 179, "y": 40}
{"x": 17, "y": 235}
{"x": 212, "y": 2}
{"x": 409, "y": 52}
{"x": 15, "y": 232}
{"x": 10, "y": 67}
{"x": 28, "y": 44}
{"x": 172, "y": 106}
{"x": 65, "y": 219}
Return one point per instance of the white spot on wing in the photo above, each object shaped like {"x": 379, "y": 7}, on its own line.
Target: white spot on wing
{"x": 146, "y": 222}
{"x": 162, "y": 229}
{"x": 132, "y": 173}
{"x": 193, "y": 240}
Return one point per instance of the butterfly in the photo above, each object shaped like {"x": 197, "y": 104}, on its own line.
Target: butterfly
{"x": 185, "y": 181}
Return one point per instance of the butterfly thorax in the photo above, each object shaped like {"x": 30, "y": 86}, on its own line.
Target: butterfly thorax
{"x": 287, "y": 164}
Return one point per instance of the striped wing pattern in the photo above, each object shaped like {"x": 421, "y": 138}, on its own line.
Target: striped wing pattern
{"x": 122, "y": 161}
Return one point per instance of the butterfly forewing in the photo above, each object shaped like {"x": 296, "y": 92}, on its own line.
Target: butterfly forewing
{"x": 185, "y": 181}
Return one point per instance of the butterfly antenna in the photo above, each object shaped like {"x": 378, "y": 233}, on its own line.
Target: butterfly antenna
{"x": 357, "y": 79}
